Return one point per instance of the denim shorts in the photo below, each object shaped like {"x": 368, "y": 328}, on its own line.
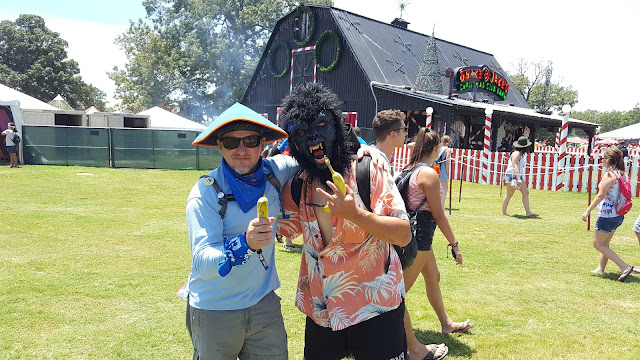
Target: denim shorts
{"x": 608, "y": 224}
{"x": 509, "y": 177}
{"x": 11, "y": 149}
{"x": 425, "y": 228}
{"x": 636, "y": 225}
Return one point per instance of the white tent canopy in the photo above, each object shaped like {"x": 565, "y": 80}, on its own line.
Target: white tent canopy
{"x": 26, "y": 101}
{"x": 627, "y": 132}
{"x": 163, "y": 119}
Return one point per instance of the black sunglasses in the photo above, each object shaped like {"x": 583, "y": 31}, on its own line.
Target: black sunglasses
{"x": 250, "y": 141}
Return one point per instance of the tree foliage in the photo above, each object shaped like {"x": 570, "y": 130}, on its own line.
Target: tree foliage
{"x": 610, "y": 120}
{"x": 196, "y": 56}
{"x": 530, "y": 79}
{"x": 33, "y": 60}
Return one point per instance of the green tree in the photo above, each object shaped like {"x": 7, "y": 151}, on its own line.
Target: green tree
{"x": 610, "y": 120}
{"x": 531, "y": 79}
{"x": 33, "y": 59}
{"x": 194, "y": 55}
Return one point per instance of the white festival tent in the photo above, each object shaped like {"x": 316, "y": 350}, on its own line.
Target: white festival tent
{"x": 626, "y": 133}
{"x": 163, "y": 119}
{"x": 16, "y": 101}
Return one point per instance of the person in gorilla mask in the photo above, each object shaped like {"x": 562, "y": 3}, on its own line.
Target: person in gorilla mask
{"x": 350, "y": 285}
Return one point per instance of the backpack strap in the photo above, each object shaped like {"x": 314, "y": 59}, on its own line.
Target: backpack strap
{"x": 296, "y": 189}
{"x": 363, "y": 180}
{"x": 222, "y": 197}
{"x": 418, "y": 167}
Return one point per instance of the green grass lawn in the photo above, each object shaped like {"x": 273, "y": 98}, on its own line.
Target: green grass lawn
{"x": 90, "y": 264}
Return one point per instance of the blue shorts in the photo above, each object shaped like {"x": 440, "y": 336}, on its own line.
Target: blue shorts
{"x": 608, "y": 224}
{"x": 636, "y": 225}
{"x": 509, "y": 177}
{"x": 11, "y": 149}
{"x": 444, "y": 176}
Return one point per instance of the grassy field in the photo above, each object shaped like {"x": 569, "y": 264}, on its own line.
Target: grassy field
{"x": 89, "y": 267}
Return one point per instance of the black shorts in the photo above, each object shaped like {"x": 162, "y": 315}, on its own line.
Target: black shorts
{"x": 425, "y": 230}
{"x": 381, "y": 337}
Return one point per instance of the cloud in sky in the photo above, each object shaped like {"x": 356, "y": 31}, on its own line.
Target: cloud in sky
{"x": 92, "y": 45}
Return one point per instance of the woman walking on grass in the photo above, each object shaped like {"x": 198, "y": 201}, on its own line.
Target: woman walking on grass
{"x": 425, "y": 182}
{"x": 514, "y": 176}
{"x": 608, "y": 220}
{"x": 444, "y": 161}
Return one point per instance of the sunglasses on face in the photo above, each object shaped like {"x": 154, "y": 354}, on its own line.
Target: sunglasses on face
{"x": 248, "y": 141}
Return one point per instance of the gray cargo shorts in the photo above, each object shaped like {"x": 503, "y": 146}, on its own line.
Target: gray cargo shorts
{"x": 256, "y": 332}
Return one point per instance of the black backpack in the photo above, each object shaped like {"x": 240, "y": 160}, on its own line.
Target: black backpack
{"x": 408, "y": 252}
{"x": 16, "y": 138}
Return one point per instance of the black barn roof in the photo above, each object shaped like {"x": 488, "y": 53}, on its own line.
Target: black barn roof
{"x": 392, "y": 55}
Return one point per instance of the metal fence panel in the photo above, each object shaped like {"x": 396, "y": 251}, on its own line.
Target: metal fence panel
{"x": 116, "y": 147}
{"x": 64, "y": 145}
{"x": 174, "y": 149}
{"x": 208, "y": 158}
{"x": 132, "y": 148}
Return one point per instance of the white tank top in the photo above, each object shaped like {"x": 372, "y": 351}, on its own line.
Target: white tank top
{"x": 510, "y": 169}
{"x": 606, "y": 206}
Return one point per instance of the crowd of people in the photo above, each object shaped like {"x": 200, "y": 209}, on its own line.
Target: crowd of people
{"x": 352, "y": 283}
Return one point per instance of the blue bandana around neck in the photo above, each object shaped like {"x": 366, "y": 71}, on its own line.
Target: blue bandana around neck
{"x": 247, "y": 189}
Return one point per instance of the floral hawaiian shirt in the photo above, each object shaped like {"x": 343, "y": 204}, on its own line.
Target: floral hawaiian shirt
{"x": 344, "y": 284}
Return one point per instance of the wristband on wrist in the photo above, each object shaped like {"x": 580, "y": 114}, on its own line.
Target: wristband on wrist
{"x": 452, "y": 252}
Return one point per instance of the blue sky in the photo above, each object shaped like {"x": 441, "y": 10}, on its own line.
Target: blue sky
{"x": 593, "y": 48}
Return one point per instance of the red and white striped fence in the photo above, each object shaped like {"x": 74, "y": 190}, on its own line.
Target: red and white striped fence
{"x": 540, "y": 169}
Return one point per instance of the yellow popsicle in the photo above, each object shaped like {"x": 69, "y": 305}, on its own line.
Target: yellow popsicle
{"x": 337, "y": 179}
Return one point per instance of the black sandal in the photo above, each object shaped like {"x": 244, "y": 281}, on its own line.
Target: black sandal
{"x": 625, "y": 274}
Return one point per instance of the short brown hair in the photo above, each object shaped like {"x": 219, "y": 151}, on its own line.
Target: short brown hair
{"x": 385, "y": 121}
{"x": 446, "y": 140}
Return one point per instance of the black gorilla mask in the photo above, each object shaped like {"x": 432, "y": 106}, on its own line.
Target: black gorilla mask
{"x": 311, "y": 114}
{"x": 314, "y": 139}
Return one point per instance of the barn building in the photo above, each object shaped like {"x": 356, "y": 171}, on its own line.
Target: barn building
{"x": 372, "y": 66}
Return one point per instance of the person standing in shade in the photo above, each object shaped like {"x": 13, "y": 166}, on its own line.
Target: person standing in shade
{"x": 11, "y": 134}
{"x": 608, "y": 220}
{"x": 514, "y": 176}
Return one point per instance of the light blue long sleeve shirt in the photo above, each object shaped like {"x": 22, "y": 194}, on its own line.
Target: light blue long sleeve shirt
{"x": 248, "y": 283}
